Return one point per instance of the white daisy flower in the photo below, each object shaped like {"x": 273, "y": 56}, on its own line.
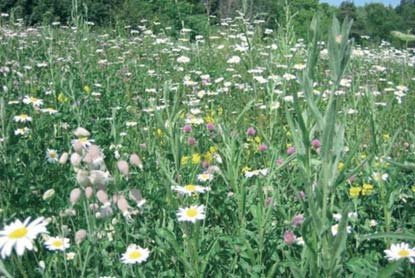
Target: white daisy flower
{"x": 135, "y": 255}
{"x": 57, "y": 243}
{"x": 49, "y": 110}
{"x": 205, "y": 177}
{"x": 33, "y": 101}
{"x": 335, "y": 229}
{"x": 52, "y": 156}
{"x": 183, "y": 60}
{"x": 20, "y": 236}
{"x": 70, "y": 256}
{"x": 254, "y": 173}
{"x": 190, "y": 189}
{"x": 22, "y": 131}
{"x": 234, "y": 60}
{"x": 400, "y": 251}
{"x": 22, "y": 118}
{"x": 379, "y": 176}
{"x": 191, "y": 214}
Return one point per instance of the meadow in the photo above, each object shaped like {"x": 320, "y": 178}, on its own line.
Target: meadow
{"x": 248, "y": 152}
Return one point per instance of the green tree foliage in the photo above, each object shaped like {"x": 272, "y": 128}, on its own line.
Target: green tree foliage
{"x": 381, "y": 21}
{"x": 375, "y": 20}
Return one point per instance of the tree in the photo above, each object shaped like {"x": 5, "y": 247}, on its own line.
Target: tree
{"x": 381, "y": 20}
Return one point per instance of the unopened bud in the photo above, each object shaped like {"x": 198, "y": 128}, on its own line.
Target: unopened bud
{"x": 80, "y": 235}
{"x": 123, "y": 167}
{"x": 81, "y": 132}
{"x": 64, "y": 158}
{"x": 75, "y": 195}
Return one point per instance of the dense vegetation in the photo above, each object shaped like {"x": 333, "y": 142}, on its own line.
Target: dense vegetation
{"x": 245, "y": 152}
{"x": 373, "y": 20}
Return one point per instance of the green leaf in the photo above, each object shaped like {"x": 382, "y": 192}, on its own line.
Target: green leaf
{"x": 387, "y": 271}
{"x": 400, "y": 236}
{"x": 4, "y": 271}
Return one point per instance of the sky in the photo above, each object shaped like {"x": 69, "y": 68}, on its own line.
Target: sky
{"x": 362, "y": 2}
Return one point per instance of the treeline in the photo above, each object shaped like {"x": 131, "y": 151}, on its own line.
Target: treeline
{"x": 373, "y": 20}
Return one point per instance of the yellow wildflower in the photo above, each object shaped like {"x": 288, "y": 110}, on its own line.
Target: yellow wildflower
{"x": 184, "y": 160}
{"x": 367, "y": 189}
{"x": 212, "y": 149}
{"x": 207, "y": 157}
{"x": 209, "y": 119}
{"x": 196, "y": 158}
{"x": 87, "y": 89}
{"x": 355, "y": 191}
{"x": 386, "y": 137}
{"x": 62, "y": 98}
{"x": 159, "y": 132}
{"x": 340, "y": 167}
{"x": 258, "y": 139}
{"x": 245, "y": 169}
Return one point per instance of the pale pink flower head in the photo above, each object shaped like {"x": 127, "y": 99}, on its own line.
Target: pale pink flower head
{"x": 316, "y": 143}
{"x": 262, "y": 148}
{"x": 291, "y": 150}
{"x": 289, "y": 237}
{"x": 210, "y": 126}
{"x": 80, "y": 236}
{"x": 279, "y": 161}
{"x": 250, "y": 131}
{"x": 191, "y": 141}
{"x": 297, "y": 220}
{"x": 187, "y": 129}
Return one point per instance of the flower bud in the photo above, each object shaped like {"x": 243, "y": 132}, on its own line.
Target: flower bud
{"x": 82, "y": 177}
{"x": 88, "y": 192}
{"x": 48, "y": 194}
{"x": 122, "y": 204}
{"x": 75, "y": 195}
{"x": 123, "y": 167}
{"x": 81, "y": 132}
{"x": 102, "y": 197}
{"x": 75, "y": 159}
{"x": 64, "y": 157}
{"x": 136, "y": 161}
{"x": 80, "y": 236}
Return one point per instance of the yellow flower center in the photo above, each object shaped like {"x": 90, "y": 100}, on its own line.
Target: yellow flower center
{"x": 33, "y": 99}
{"x": 18, "y": 233}
{"x": 83, "y": 139}
{"x": 23, "y": 116}
{"x": 403, "y": 253}
{"x": 57, "y": 243}
{"x": 134, "y": 255}
{"x": 192, "y": 212}
{"x": 190, "y": 187}
{"x": 52, "y": 155}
